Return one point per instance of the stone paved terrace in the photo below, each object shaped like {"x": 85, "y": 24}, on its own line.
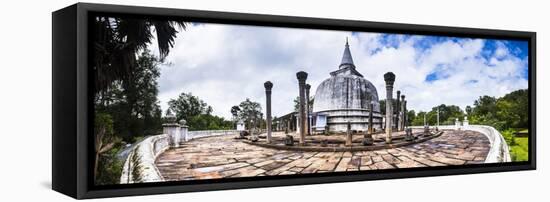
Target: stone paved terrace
{"x": 224, "y": 156}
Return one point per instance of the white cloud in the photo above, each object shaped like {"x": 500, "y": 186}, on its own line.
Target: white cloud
{"x": 225, "y": 64}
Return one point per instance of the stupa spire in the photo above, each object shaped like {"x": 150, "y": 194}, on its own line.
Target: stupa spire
{"x": 346, "y": 58}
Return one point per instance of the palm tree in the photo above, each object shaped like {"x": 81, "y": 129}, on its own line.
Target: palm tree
{"x": 117, "y": 41}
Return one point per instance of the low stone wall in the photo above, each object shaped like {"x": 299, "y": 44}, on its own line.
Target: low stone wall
{"x": 140, "y": 164}
{"x": 499, "y": 151}
{"x": 209, "y": 133}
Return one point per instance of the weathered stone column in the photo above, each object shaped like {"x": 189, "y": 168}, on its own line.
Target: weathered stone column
{"x": 367, "y": 138}
{"x": 268, "y": 86}
{"x": 371, "y": 106}
{"x": 389, "y": 78}
{"x": 302, "y": 76}
{"x": 405, "y": 115}
{"x": 171, "y": 128}
{"x": 397, "y": 107}
{"x": 308, "y": 128}
{"x": 465, "y": 122}
{"x": 348, "y": 135}
{"x": 401, "y": 123}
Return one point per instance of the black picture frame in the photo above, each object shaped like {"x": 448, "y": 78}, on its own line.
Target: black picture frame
{"x": 72, "y": 119}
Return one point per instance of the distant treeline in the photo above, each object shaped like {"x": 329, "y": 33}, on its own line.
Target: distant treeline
{"x": 509, "y": 111}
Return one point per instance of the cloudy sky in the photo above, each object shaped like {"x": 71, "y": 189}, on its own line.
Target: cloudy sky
{"x": 225, "y": 64}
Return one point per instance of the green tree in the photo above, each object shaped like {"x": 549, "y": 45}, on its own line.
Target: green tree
{"x": 468, "y": 110}
{"x": 251, "y": 113}
{"x": 517, "y": 108}
{"x": 104, "y": 138}
{"x": 209, "y": 122}
{"x": 133, "y": 105}
{"x": 187, "y": 106}
{"x": 197, "y": 113}
{"x": 447, "y": 114}
{"x": 485, "y": 105}
{"x": 411, "y": 116}
{"x": 419, "y": 119}
{"x": 509, "y": 111}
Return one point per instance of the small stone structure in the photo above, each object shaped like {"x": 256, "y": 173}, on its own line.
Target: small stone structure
{"x": 172, "y": 129}
{"x": 183, "y": 131}
{"x": 349, "y": 136}
{"x": 457, "y": 124}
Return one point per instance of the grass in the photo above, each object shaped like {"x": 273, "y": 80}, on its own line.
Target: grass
{"x": 519, "y": 146}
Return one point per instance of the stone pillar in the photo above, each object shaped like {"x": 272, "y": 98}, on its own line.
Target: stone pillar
{"x": 367, "y": 139}
{"x": 302, "y": 76}
{"x": 397, "y": 108}
{"x": 308, "y": 128}
{"x": 171, "y": 128}
{"x": 268, "y": 86}
{"x": 348, "y": 135}
{"x": 389, "y": 78}
{"x": 183, "y": 131}
{"x": 298, "y": 129}
{"x": 401, "y": 122}
{"x": 457, "y": 124}
{"x": 371, "y": 106}
{"x": 405, "y": 115}
{"x": 465, "y": 122}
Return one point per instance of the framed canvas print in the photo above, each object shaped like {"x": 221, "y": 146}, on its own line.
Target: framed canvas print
{"x": 156, "y": 100}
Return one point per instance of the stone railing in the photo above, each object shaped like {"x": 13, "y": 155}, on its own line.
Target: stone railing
{"x": 209, "y": 133}
{"x": 499, "y": 151}
{"x": 140, "y": 165}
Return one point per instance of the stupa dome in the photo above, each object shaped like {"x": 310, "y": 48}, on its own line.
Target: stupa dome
{"x": 345, "y": 89}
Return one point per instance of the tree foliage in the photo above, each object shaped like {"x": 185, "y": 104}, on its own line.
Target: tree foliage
{"x": 118, "y": 40}
{"x": 133, "y": 105}
{"x": 509, "y": 111}
{"x": 251, "y": 113}
{"x": 197, "y": 113}
{"x": 186, "y": 106}
{"x": 104, "y": 141}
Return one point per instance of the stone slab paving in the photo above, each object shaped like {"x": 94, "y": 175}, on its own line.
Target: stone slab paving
{"x": 224, "y": 156}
